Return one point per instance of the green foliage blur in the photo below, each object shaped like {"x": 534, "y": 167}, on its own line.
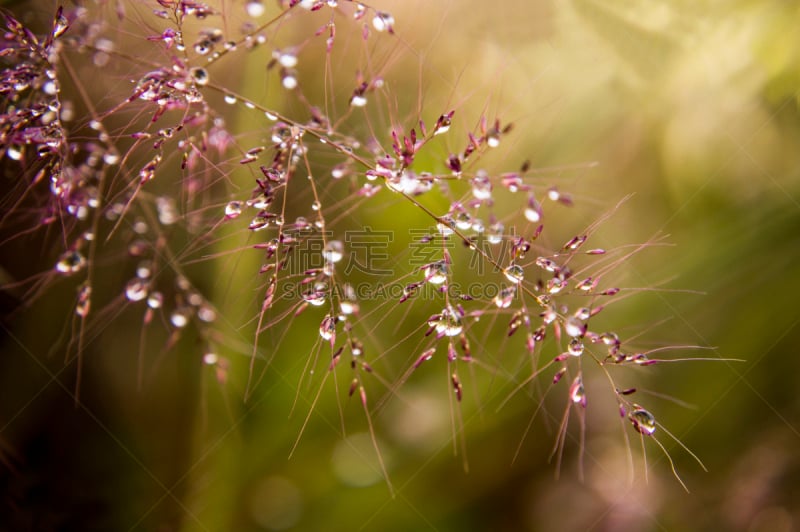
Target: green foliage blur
{"x": 693, "y": 107}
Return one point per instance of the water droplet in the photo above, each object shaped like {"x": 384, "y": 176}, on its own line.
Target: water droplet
{"x": 84, "y": 300}
{"x": 333, "y": 251}
{"x": 71, "y": 262}
{"x": 443, "y": 124}
{"x": 285, "y": 58}
{"x": 495, "y": 233}
{"x": 194, "y": 298}
{"x": 180, "y": 317}
{"x": 14, "y": 153}
{"x": 327, "y": 329}
{"x": 574, "y": 327}
{"x": 136, "y": 289}
{"x": 383, "y": 21}
{"x": 436, "y": 272}
{"x": 210, "y": 359}
{"x": 199, "y": 75}
{"x": 546, "y": 264}
{"x": 230, "y": 99}
{"x": 111, "y": 157}
{"x": 360, "y": 10}
{"x": 643, "y": 421}
{"x": 206, "y": 314}
{"x": 50, "y": 88}
{"x": 167, "y": 211}
{"x": 259, "y": 222}
{"x": 233, "y": 209}
{"x": 555, "y": 285}
{"x": 506, "y": 295}
{"x": 577, "y": 393}
{"x": 445, "y": 226}
{"x": 316, "y": 296}
{"x": 348, "y": 307}
{"x": 448, "y": 323}
{"x": 463, "y": 221}
{"x": 182, "y": 283}
{"x": 289, "y": 79}
{"x": 481, "y": 185}
{"x": 358, "y": 100}
{"x": 575, "y": 347}
{"x": 533, "y": 212}
{"x": 610, "y": 339}
{"x": 203, "y": 46}
{"x": 255, "y": 8}
{"x": 493, "y": 138}
{"x": 575, "y": 242}
{"x": 514, "y": 273}
{"x": 155, "y": 300}
{"x": 144, "y": 269}
{"x": 60, "y": 26}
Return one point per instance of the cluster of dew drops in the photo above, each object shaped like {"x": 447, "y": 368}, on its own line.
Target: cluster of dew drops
{"x": 396, "y": 175}
{"x": 180, "y": 87}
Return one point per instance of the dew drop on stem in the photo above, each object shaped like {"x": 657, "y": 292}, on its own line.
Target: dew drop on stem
{"x": 60, "y": 25}
{"x": 71, "y": 262}
{"x": 574, "y": 327}
{"x": 333, "y": 251}
{"x": 506, "y": 295}
{"x": 360, "y": 11}
{"x": 199, "y": 75}
{"x": 436, "y": 272}
{"x": 285, "y": 58}
{"x": 202, "y": 47}
{"x": 255, "y": 8}
{"x": 577, "y": 393}
{"x": 493, "y": 138}
{"x": 358, "y": 100}
{"x": 481, "y": 185}
{"x": 327, "y": 329}
{"x": 575, "y": 347}
{"x": 533, "y": 212}
{"x": 494, "y": 234}
{"x": 180, "y": 317}
{"x": 206, "y": 314}
{"x": 233, "y": 209}
{"x": 383, "y": 21}
{"x": 84, "y": 300}
{"x": 155, "y": 300}
{"x": 463, "y": 221}
{"x": 289, "y": 78}
{"x": 514, "y": 273}
{"x": 14, "y": 153}
{"x": 445, "y": 225}
{"x": 642, "y": 420}
{"x": 136, "y": 289}
{"x": 144, "y": 270}
{"x": 447, "y": 323}
{"x": 317, "y": 295}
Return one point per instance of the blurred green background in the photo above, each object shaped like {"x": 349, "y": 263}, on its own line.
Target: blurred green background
{"x": 692, "y": 107}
